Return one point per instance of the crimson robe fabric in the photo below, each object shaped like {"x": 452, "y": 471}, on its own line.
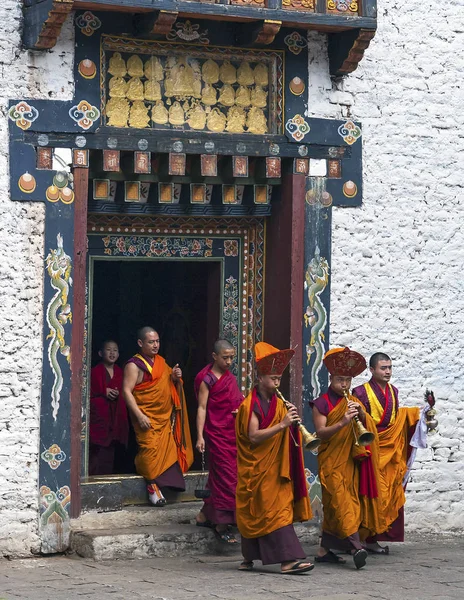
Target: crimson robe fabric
{"x": 219, "y": 433}
{"x": 108, "y": 418}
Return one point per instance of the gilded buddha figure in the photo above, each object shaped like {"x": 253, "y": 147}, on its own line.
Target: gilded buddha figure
{"x": 227, "y": 95}
{"x": 117, "y": 87}
{"x": 216, "y": 120}
{"x": 117, "y": 112}
{"x": 242, "y": 96}
{"x": 138, "y": 116}
{"x": 159, "y": 113}
{"x": 209, "y": 95}
{"x": 135, "y": 89}
{"x": 258, "y": 97}
{"x": 153, "y": 69}
{"x": 210, "y": 71}
{"x": 180, "y": 80}
{"x": 152, "y": 90}
{"x": 245, "y": 75}
{"x": 261, "y": 74}
{"x": 228, "y": 73}
{"x": 256, "y": 121}
{"x": 236, "y": 118}
{"x": 117, "y": 65}
{"x": 197, "y": 117}
{"x": 135, "y": 66}
{"x": 176, "y": 114}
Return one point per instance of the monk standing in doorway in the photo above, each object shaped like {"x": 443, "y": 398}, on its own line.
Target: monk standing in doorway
{"x": 218, "y": 400}
{"x": 156, "y": 402}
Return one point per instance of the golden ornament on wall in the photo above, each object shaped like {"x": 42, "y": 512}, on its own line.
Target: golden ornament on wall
{"x": 256, "y": 121}
{"x": 261, "y": 75}
{"x": 152, "y": 90}
{"x": 135, "y": 66}
{"x": 216, "y": 120}
{"x": 258, "y": 97}
{"x": 176, "y": 114}
{"x": 236, "y": 118}
{"x": 245, "y": 74}
{"x": 242, "y": 96}
{"x": 227, "y": 95}
{"x": 197, "y": 117}
{"x": 228, "y": 73}
{"x": 209, "y": 95}
{"x": 117, "y": 65}
{"x": 210, "y": 71}
{"x": 153, "y": 69}
{"x": 117, "y": 87}
{"x": 117, "y": 112}
{"x": 135, "y": 89}
{"x": 138, "y": 116}
{"x": 159, "y": 114}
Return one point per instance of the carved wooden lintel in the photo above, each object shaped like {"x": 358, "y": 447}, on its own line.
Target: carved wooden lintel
{"x": 43, "y": 23}
{"x": 346, "y": 50}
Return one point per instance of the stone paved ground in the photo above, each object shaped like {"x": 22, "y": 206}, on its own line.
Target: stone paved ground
{"x": 421, "y": 569}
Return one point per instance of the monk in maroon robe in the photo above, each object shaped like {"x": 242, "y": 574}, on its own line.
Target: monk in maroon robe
{"x": 218, "y": 400}
{"x": 109, "y": 424}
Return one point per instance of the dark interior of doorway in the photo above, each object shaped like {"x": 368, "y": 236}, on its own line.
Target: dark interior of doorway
{"x": 180, "y": 299}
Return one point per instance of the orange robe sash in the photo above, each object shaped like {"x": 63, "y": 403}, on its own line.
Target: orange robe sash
{"x": 393, "y": 443}
{"x": 345, "y": 511}
{"x": 168, "y": 440}
{"x": 265, "y": 492}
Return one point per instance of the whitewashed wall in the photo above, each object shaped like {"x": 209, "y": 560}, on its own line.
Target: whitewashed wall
{"x": 22, "y": 75}
{"x": 397, "y": 262}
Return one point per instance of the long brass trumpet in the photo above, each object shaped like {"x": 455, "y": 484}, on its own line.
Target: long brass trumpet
{"x": 362, "y": 435}
{"x": 310, "y": 441}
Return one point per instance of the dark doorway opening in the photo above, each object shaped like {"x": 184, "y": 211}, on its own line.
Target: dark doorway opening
{"x": 179, "y": 298}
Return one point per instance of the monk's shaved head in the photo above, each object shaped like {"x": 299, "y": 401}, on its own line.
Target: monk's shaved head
{"x": 143, "y": 331}
{"x": 376, "y": 358}
{"x": 221, "y": 345}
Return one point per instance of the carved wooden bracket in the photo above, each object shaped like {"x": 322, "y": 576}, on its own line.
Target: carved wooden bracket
{"x": 43, "y": 22}
{"x": 346, "y": 50}
{"x": 159, "y": 22}
{"x": 266, "y": 33}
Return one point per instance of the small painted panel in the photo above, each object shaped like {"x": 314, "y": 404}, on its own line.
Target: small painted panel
{"x": 335, "y": 169}
{"x": 300, "y": 5}
{"x": 80, "y": 158}
{"x": 273, "y": 167}
{"x": 177, "y": 164}
{"x": 208, "y": 165}
{"x": 44, "y": 158}
{"x": 111, "y": 160}
{"x": 142, "y": 162}
{"x": 301, "y": 165}
{"x": 342, "y": 7}
{"x": 240, "y": 166}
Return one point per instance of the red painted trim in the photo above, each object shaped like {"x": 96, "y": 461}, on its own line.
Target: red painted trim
{"x": 81, "y": 179}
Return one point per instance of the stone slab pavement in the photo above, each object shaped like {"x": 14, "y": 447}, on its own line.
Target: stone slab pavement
{"x": 421, "y": 569}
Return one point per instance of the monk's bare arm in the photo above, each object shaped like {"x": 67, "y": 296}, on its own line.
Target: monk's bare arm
{"x": 131, "y": 374}
{"x": 203, "y": 395}
{"x": 320, "y": 422}
{"x": 257, "y": 435}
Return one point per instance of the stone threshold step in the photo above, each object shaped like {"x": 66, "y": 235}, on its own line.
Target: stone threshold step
{"x": 151, "y": 541}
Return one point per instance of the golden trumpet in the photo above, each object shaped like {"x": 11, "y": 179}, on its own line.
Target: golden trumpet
{"x": 310, "y": 441}
{"x": 362, "y": 435}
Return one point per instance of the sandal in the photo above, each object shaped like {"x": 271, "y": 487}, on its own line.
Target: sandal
{"x": 206, "y": 523}
{"x": 359, "y": 558}
{"x": 330, "y": 557}
{"x": 225, "y": 536}
{"x": 298, "y": 568}
{"x": 385, "y": 550}
{"x": 246, "y": 566}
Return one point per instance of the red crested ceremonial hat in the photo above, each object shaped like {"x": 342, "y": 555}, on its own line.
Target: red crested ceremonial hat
{"x": 271, "y": 360}
{"x": 344, "y": 362}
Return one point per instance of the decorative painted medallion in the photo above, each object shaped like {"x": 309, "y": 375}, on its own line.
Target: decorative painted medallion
{"x": 349, "y": 132}
{"x": 54, "y": 456}
{"x": 87, "y": 69}
{"x": 88, "y": 23}
{"x": 84, "y": 114}
{"x": 188, "y": 32}
{"x": 27, "y": 183}
{"x": 297, "y": 127}
{"x": 23, "y": 114}
{"x": 295, "y": 42}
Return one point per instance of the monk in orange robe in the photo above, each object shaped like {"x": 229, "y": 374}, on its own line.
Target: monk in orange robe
{"x": 271, "y": 489}
{"x": 156, "y": 402}
{"x": 349, "y": 472}
{"x": 395, "y": 427}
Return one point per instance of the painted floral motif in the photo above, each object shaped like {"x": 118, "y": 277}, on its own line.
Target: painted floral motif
{"x": 54, "y": 456}
{"x": 88, "y": 23}
{"x": 84, "y": 114}
{"x": 297, "y": 127}
{"x": 295, "y": 42}
{"x": 349, "y": 132}
{"x": 188, "y": 33}
{"x": 163, "y": 246}
{"x": 230, "y": 316}
{"x": 23, "y": 114}
{"x": 342, "y": 5}
{"x": 54, "y": 518}
{"x": 230, "y": 247}
{"x": 315, "y": 492}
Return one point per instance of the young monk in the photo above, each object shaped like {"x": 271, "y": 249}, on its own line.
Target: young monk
{"x": 271, "y": 491}
{"x": 155, "y": 398}
{"x": 218, "y": 400}
{"x": 395, "y": 427}
{"x": 348, "y": 472}
{"x": 109, "y": 425}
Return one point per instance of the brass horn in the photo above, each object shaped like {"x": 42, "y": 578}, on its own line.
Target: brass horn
{"x": 310, "y": 441}
{"x": 362, "y": 435}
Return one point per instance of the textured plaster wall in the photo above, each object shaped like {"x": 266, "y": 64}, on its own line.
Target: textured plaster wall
{"x": 397, "y": 281}
{"x": 22, "y": 75}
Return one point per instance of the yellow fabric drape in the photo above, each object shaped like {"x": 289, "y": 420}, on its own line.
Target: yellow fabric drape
{"x": 393, "y": 462}
{"x": 345, "y": 511}
{"x": 377, "y": 409}
{"x": 265, "y": 499}
{"x": 162, "y": 445}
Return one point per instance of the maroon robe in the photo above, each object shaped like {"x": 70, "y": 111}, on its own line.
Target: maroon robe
{"x": 219, "y": 433}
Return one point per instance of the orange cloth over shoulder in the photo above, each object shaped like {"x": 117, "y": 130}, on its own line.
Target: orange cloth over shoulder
{"x": 160, "y": 447}
{"x": 345, "y": 510}
{"x": 265, "y": 498}
{"x": 393, "y": 443}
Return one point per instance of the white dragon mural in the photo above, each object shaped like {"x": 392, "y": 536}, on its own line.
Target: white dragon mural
{"x": 316, "y": 280}
{"x": 59, "y": 266}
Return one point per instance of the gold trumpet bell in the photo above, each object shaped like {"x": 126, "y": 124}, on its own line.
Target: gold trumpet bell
{"x": 310, "y": 441}
{"x": 364, "y": 437}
